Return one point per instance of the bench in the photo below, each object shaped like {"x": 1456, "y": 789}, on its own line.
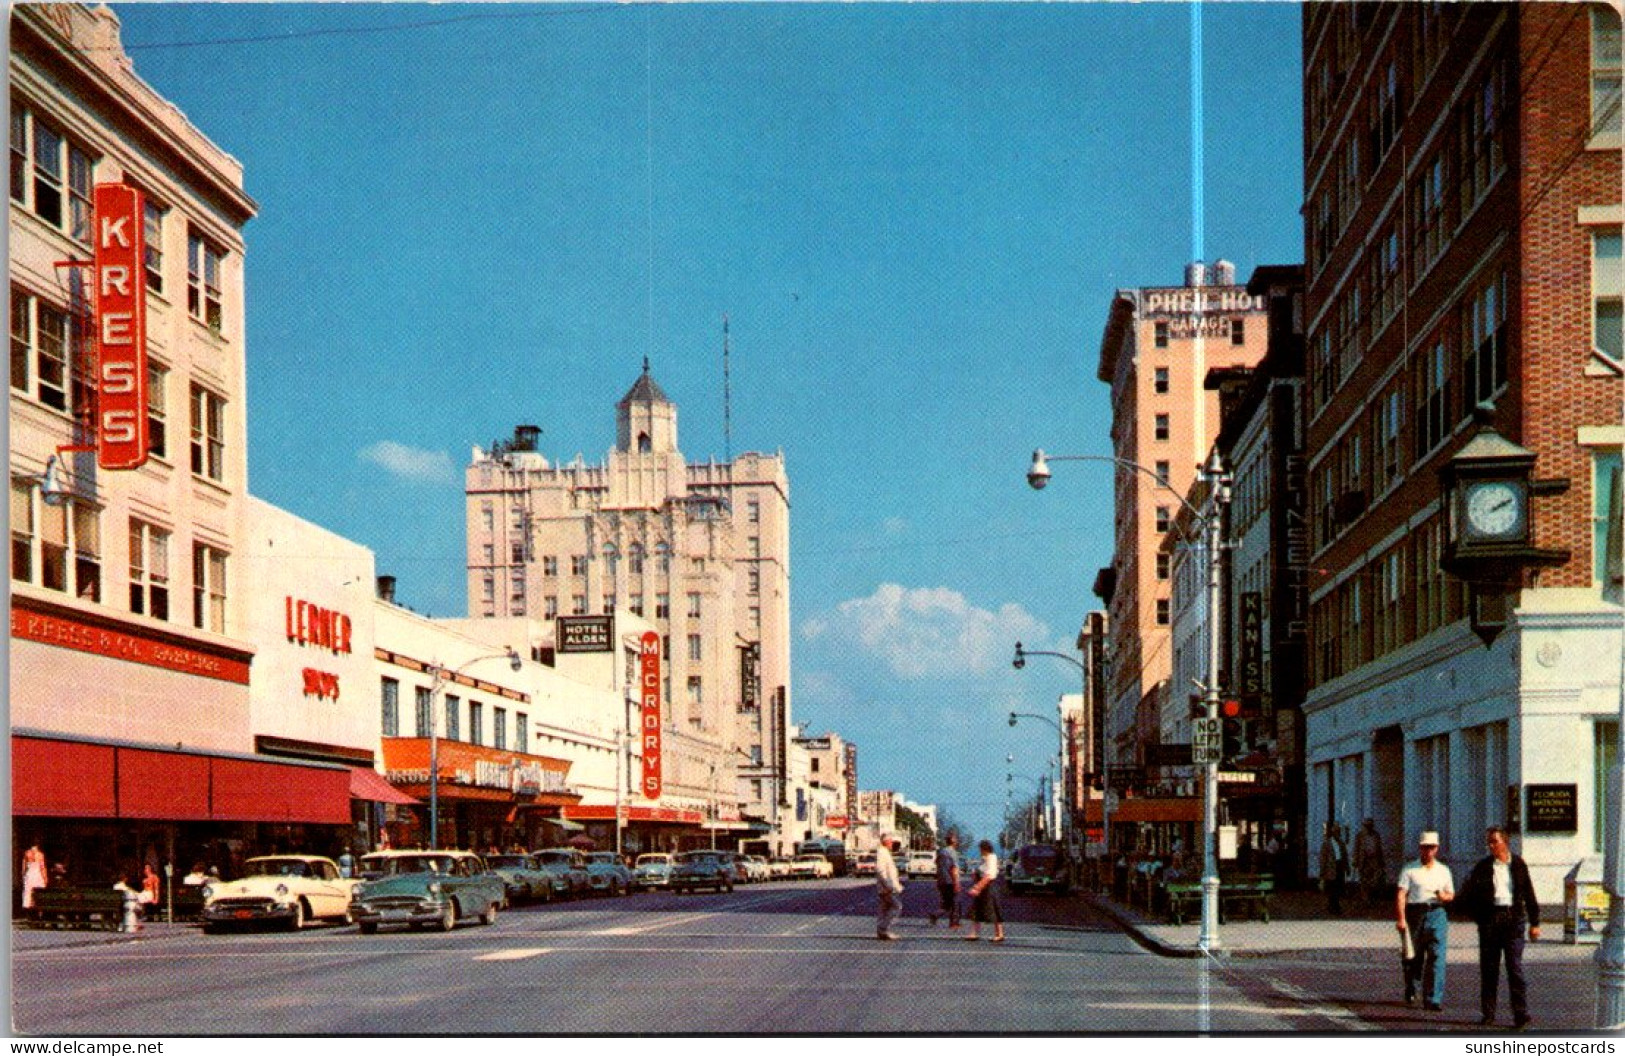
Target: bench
{"x": 1250, "y": 894}
{"x": 78, "y": 907}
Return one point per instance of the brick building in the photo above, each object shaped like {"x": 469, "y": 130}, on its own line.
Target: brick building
{"x": 1462, "y": 223}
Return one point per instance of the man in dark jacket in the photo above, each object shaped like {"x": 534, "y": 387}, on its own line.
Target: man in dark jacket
{"x": 1501, "y": 899}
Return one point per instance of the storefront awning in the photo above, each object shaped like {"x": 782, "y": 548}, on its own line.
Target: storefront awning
{"x": 368, "y": 784}
{"x": 1149, "y": 810}
{"x": 565, "y": 824}
{"x": 606, "y": 812}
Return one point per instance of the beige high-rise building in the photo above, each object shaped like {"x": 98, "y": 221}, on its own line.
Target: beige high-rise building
{"x": 1158, "y": 347}
{"x": 701, "y": 549}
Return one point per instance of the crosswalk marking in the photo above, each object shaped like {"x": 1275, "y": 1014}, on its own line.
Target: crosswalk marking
{"x": 513, "y": 955}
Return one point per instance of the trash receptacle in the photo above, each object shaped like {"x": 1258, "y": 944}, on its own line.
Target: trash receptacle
{"x": 1585, "y": 902}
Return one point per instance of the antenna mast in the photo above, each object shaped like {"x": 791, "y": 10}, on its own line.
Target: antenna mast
{"x": 727, "y": 398}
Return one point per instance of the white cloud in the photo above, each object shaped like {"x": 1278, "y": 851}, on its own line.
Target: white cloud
{"x": 927, "y": 631}
{"x": 409, "y": 463}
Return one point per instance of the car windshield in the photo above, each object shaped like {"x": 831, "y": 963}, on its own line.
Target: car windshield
{"x": 277, "y": 867}
{"x": 654, "y": 859}
{"x": 554, "y": 857}
{"x": 401, "y": 865}
{"x": 507, "y": 861}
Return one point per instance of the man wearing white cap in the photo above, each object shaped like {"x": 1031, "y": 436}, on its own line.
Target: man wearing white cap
{"x": 1425, "y": 885}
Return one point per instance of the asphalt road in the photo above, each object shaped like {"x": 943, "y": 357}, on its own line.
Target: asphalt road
{"x": 775, "y": 958}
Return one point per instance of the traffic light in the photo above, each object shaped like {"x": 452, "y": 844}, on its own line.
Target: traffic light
{"x": 1235, "y": 737}
{"x": 1230, "y": 708}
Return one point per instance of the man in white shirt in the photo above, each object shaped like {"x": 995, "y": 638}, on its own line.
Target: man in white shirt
{"x": 1425, "y": 886}
{"x": 888, "y": 888}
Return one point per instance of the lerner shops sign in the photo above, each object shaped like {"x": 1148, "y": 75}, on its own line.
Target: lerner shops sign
{"x": 314, "y": 627}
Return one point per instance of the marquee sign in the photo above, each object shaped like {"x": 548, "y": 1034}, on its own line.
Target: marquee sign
{"x": 586, "y": 634}
{"x": 649, "y": 711}
{"x": 121, "y": 327}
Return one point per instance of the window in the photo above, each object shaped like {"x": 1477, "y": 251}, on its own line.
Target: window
{"x": 390, "y": 697}
{"x": 578, "y": 564}
{"x": 476, "y": 722}
{"x": 208, "y": 588}
{"x": 1163, "y": 473}
{"x": 153, "y": 243}
{"x": 1606, "y": 288}
{"x": 696, "y": 691}
{"x": 1605, "y": 69}
{"x": 49, "y": 356}
{"x": 1428, "y": 230}
{"x": 754, "y": 585}
{"x": 634, "y": 560}
{"x": 693, "y": 605}
{"x": 662, "y": 606}
{"x": 488, "y": 594}
{"x": 1162, "y": 427}
{"x": 55, "y": 546}
{"x": 1484, "y": 340}
{"x": 637, "y": 604}
{"x": 694, "y": 648}
{"x": 208, "y": 434}
{"x": 203, "y": 281}
{"x": 1163, "y": 520}
{"x": 1160, "y": 382}
{"x": 612, "y": 561}
{"x": 1164, "y": 565}
{"x": 454, "y": 708}
{"x": 45, "y": 166}
{"x": 157, "y": 409}
{"x": 149, "y": 570}
{"x": 609, "y": 603}
{"x": 753, "y": 546}
{"x": 1161, "y": 335}
{"x": 756, "y": 617}
{"x": 521, "y": 732}
{"x": 662, "y": 558}
{"x": 1390, "y": 415}
{"x": 422, "y": 716}
{"x": 1480, "y": 140}
{"x": 499, "y": 727}
{"x": 488, "y": 517}
{"x": 22, "y": 531}
{"x": 1163, "y": 615}
{"x": 550, "y": 566}
{"x": 1387, "y": 291}
{"x": 516, "y": 592}
{"x": 1390, "y": 629}
{"x": 1238, "y": 331}
{"x": 578, "y": 604}
{"x": 1432, "y": 400}
{"x": 1605, "y": 516}
{"x": 550, "y": 607}
{"x": 1385, "y": 112}
{"x": 753, "y": 511}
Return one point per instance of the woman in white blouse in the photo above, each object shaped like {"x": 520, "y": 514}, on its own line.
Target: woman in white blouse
{"x": 985, "y": 897}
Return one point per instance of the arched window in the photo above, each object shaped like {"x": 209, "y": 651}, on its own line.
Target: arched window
{"x": 662, "y": 557}
{"x": 634, "y": 559}
{"x": 645, "y": 445}
{"x": 612, "y": 558}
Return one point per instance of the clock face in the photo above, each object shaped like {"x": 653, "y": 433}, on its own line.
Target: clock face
{"x": 1494, "y": 510}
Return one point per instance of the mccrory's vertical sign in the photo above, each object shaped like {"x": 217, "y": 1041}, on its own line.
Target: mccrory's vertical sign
{"x": 121, "y": 322}
{"x": 649, "y": 711}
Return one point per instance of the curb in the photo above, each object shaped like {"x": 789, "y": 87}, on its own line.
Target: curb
{"x": 1133, "y": 929}
{"x": 20, "y": 935}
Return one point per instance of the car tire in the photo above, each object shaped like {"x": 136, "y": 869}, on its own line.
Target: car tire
{"x": 448, "y": 917}
{"x": 728, "y": 886}
{"x": 297, "y": 921}
{"x": 489, "y": 917}
{"x": 368, "y": 928}
{"x": 212, "y": 929}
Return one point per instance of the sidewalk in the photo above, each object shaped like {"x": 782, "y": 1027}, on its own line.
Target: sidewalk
{"x": 1299, "y": 923}
{"x": 25, "y": 937}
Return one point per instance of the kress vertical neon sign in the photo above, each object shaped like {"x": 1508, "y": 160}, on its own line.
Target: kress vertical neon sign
{"x": 121, "y": 327}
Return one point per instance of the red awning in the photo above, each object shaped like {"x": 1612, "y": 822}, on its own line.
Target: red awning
{"x": 367, "y": 783}
{"x": 1133, "y": 809}
{"x": 62, "y": 779}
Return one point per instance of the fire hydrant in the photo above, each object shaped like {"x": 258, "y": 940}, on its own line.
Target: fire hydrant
{"x": 132, "y": 911}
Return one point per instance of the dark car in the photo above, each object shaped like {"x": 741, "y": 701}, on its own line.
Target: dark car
{"x": 1038, "y": 867}
{"x": 568, "y": 867}
{"x": 696, "y": 869}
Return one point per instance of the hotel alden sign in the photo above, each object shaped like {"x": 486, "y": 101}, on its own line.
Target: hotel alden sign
{"x": 121, "y": 327}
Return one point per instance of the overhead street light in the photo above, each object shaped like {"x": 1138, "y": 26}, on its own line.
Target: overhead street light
{"x": 441, "y": 677}
{"x": 1212, "y": 523}
{"x": 1019, "y": 662}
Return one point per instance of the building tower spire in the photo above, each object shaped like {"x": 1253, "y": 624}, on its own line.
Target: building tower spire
{"x": 727, "y": 398}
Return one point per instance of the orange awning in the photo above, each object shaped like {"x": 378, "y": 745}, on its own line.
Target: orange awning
{"x": 367, "y": 783}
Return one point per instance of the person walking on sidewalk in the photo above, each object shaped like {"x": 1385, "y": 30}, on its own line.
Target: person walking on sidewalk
{"x": 1369, "y": 863}
{"x": 985, "y": 896}
{"x": 1334, "y": 867}
{"x": 948, "y": 881}
{"x": 1500, "y": 898}
{"x": 1425, "y": 886}
{"x": 888, "y": 889}
{"x": 34, "y": 874}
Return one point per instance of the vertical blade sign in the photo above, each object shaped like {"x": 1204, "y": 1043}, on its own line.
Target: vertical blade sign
{"x": 649, "y": 711}
{"x": 121, "y": 327}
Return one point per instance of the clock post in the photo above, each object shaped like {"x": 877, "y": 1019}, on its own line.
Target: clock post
{"x": 1486, "y": 490}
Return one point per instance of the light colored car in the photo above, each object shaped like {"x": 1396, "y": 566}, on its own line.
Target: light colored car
{"x": 607, "y": 874}
{"x": 419, "y": 888}
{"x": 652, "y": 870}
{"x": 779, "y": 868}
{"x": 520, "y": 876}
{"x": 922, "y": 863}
{"x": 811, "y": 867}
{"x": 864, "y": 864}
{"x": 758, "y": 869}
{"x": 292, "y": 889}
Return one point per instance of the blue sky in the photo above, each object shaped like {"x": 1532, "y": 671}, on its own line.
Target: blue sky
{"x": 914, "y": 216}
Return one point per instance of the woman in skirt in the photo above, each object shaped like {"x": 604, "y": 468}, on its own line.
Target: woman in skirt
{"x": 985, "y": 897}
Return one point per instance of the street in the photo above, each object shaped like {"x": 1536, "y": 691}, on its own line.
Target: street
{"x": 793, "y": 957}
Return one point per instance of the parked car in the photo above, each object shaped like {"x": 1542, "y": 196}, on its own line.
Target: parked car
{"x": 922, "y": 863}
{"x": 652, "y": 870}
{"x": 779, "y": 868}
{"x": 756, "y": 866}
{"x": 524, "y": 882}
{"x": 736, "y": 862}
{"x": 607, "y": 874}
{"x": 568, "y": 867}
{"x": 864, "y": 864}
{"x": 693, "y": 870}
{"x": 1038, "y": 867}
{"x": 811, "y": 867}
{"x": 292, "y": 889}
{"x": 419, "y": 888}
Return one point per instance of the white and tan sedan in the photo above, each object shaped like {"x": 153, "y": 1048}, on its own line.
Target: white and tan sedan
{"x": 292, "y": 889}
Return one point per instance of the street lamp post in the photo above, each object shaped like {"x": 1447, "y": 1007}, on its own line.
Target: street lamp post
{"x": 1611, "y": 953}
{"x": 1071, "y": 780}
{"x": 1052, "y": 806}
{"x": 1038, "y": 475}
{"x": 441, "y": 678}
